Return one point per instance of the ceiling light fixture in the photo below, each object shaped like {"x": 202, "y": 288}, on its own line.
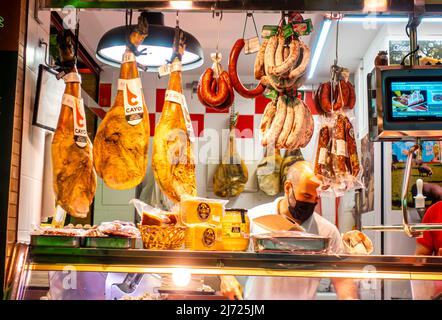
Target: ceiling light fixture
{"x": 158, "y": 45}
{"x": 181, "y": 5}
{"x": 325, "y": 29}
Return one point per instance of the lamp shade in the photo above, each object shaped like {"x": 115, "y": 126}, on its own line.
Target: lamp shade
{"x": 158, "y": 45}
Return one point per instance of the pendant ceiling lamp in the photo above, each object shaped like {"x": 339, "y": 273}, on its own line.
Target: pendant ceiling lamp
{"x": 158, "y": 46}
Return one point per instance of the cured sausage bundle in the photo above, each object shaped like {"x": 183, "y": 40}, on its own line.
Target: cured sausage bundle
{"x": 343, "y": 96}
{"x": 282, "y": 65}
{"x": 215, "y": 91}
{"x": 287, "y": 123}
{"x": 337, "y": 159}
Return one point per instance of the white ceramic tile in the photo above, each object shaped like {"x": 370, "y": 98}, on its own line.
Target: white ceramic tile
{"x": 32, "y": 151}
{"x": 30, "y": 204}
{"x": 34, "y": 54}
{"x": 29, "y": 95}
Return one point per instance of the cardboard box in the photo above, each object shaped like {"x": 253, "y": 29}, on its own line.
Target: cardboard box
{"x": 276, "y": 222}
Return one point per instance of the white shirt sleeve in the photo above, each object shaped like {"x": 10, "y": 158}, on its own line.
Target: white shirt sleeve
{"x": 336, "y": 246}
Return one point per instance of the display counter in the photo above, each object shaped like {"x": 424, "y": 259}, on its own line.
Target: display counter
{"x": 30, "y": 259}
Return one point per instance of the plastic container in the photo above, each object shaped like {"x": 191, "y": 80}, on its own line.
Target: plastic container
{"x": 109, "y": 242}
{"x": 55, "y": 241}
{"x": 235, "y": 230}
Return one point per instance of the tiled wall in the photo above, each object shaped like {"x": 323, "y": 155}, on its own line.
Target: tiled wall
{"x": 32, "y": 138}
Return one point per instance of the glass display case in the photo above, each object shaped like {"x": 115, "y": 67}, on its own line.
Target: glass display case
{"x": 133, "y": 273}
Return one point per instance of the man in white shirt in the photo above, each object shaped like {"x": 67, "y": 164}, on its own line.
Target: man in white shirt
{"x": 298, "y": 204}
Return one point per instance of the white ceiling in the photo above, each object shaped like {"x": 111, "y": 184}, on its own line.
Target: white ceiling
{"x": 354, "y": 38}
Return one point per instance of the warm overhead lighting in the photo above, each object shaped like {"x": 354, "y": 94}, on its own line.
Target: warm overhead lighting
{"x": 375, "y": 5}
{"x": 325, "y": 28}
{"x": 181, "y": 5}
{"x": 181, "y": 277}
{"x": 384, "y": 18}
{"x": 158, "y": 45}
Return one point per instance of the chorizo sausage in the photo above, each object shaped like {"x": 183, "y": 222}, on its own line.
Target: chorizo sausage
{"x": 211, "y": 98}
{"x": 340, "y": 146}
{"x": 288, "y": 63}
{"x": 267, "y": 118}
{"x": 351, "y": 97}
{"x": 231, "y": 94}
{"x": 293, "y": 141}
{"x": 325, "y": 96}
{"x": 259, "y": 61}
{"x": 352, "y": 152}
{"x": 278, "y": 122}
{"x": 200, "y": 95}
{"x": 279, "y": 54}
{"x": 322, "y": 151}
{"x": 288, "y": 122}
{"x": 309, "y": 126}
{"x": 233, "y": 74}
{"x": 269, "y": 55}
{"x": 302, "y": 67}
{"x": 341, "y": 95}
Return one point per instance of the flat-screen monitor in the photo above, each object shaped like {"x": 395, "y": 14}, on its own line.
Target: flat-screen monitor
{"x": 47, "y": 99}
{"x": 414, "y": 99}
{"x": 405, "y": 103}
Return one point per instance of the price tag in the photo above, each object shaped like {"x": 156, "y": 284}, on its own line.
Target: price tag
{"x": 251, "y": 45}
{"x": 341, "y": 148}
{"x": 268, "y": 31}
{"x": 133, "y": 100}
{"x": 323, "y": 152}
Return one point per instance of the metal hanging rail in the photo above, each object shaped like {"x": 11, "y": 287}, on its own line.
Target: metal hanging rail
{"x": 398, "y": 6}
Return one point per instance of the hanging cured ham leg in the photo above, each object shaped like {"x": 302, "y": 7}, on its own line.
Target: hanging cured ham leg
{"x": 121, "y": 143}
{"x": 74, "y": 178}
{"x": 172, "y": 159}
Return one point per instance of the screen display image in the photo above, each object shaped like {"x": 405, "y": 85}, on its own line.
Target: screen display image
{"x": 411, "y": 100}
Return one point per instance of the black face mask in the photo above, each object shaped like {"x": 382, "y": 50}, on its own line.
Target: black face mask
{"x": 302, "y": 210}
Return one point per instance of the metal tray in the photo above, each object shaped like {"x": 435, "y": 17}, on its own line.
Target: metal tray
{"x": 109, "y": 242}
{"x": 291, "y": 244}
{"x": 55, "y": 241}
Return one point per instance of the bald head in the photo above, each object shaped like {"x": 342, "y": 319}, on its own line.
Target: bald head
{"x": 301, "y": 178}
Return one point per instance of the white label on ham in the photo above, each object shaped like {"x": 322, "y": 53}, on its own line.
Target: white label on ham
{"x": 164, "y": 70}
{"x": 176, "y": 66}
{"x": 128, "y": 56}
{"x": 80, "y": 130}
{"x": 176, "y": 97}
{"x": 323, "y": 156}
{"x": 341, "y": 148}
{"x": 133, "y": 100}
{"x": 72, "y": 77}
{"x": 251, "y": 45}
